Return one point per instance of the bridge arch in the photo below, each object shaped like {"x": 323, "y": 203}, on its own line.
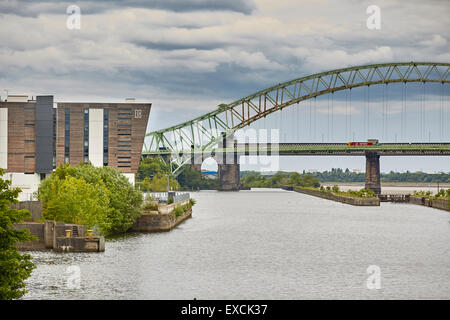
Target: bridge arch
{"x": 206, "y": 131}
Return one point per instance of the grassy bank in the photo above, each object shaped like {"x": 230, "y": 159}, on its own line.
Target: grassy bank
{"x": 361, "y": 194}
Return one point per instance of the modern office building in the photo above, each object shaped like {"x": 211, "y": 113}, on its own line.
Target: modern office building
{"x": 38, "y": 135}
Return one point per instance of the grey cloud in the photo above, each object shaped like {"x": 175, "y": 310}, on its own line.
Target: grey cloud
{"x": 32, "y": 8}
{"x": 165, "y": 46}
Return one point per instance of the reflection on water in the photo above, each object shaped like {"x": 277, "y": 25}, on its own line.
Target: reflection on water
{"x": 264, "y": 244}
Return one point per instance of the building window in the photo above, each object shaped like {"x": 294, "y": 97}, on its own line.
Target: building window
{"x": 105, "y": 136}
{"x": 66, "y": 135}
{"x": 55, "y": 123}
{"x": 86, "y": 136}
{"x": 124, "y": 141}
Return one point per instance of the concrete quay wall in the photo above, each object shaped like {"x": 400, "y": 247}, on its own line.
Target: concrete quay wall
{"x": 436, "y": 203}
{"x": 51, "y": 235}
{"x": 159, "y": 222}
{"x": 339, "y": 198}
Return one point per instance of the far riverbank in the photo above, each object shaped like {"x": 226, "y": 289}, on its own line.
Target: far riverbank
{"x": 392, "y": 187}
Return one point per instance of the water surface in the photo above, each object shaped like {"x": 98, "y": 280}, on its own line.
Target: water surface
{"x": 265, "y": 244}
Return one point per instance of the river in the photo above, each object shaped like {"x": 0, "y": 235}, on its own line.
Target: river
{"x": 264, "y": 244}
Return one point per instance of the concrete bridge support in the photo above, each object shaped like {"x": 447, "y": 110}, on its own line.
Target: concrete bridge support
{"x": 229, "y": 168}
{"x": 229, "y": 177}
{"x": 373, "y": 172}
{"x": 196, "y": 161}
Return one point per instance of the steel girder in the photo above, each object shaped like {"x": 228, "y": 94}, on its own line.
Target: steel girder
{"x": 205, "y": 132}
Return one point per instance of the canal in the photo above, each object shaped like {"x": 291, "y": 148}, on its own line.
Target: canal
{"x": 264, "y": 244}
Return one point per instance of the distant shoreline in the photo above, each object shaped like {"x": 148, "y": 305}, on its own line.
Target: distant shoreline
{"x": 391, "y": 184}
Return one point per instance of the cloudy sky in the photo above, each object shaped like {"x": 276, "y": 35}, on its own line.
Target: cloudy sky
{"x": 186, "y": 57}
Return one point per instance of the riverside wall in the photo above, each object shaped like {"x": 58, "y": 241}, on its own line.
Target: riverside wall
{"x": 35, "y": 207}
{"x": 159, "y": 222}
{"x": 435, "y": 203}
{"x": 339, "y": 198}
{"x": 51, "y": 235}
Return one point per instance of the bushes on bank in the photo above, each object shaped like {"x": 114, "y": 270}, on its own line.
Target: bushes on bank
{"x": 181, "y": 209}
{"x": 363, "y": 193}
{"x": 15, "y": 267}
{"x": 442, "y": 194}
{"x": 280, "y": 179}
{"x": 92, "y": 196}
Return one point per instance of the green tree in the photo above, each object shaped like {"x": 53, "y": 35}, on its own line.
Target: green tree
{"x": 73, "y": 200}
{"x": 190, "y": 179}
{"x": 150, "y": 167}
{"x": 295, "y": 179}
{"x": 15, "y": 268}
{"x": 152, "y": 176}
{"x": 112, "y": 198}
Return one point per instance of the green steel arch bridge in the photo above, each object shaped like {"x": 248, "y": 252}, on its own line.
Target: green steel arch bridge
{"x": 207, "y": 134}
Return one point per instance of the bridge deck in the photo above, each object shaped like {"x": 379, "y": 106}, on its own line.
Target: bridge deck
{"x": 296, "y": 149}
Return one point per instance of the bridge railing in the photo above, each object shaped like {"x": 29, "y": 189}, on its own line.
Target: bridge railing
{"x": 162, "y": 197}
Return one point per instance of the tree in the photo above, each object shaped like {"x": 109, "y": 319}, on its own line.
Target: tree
{"x": 109, "y": 201}
{"x": 295, "y": 179}
{"x": 190, "y": 179}
{"x": 73, "y": 200}
{"x": 15, "y": 268}
{"x": 151, "y": 167}
{"x": 152, "y": 175}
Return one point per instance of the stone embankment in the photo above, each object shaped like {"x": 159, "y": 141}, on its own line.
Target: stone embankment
{"x": 59, "y": 236}
{"x": 331, "y": 196}
{"x": 442, "y": 204}
{"x": 165, "y": 219}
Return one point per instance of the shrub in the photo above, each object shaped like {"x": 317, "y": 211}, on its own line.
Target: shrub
{"x": 73, "y": 200}
{"x": 179, "y": 210}
{"x": 90, "y": 195}
{"x": 335, "y": 189}
{"x": 149, "y": 206}
{"x": 15, "y": 267}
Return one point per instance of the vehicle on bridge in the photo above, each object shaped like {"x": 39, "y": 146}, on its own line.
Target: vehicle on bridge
{"x": 370, "y": 142}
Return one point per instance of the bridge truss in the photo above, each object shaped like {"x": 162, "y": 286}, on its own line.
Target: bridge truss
{"x": 203, "y": 133}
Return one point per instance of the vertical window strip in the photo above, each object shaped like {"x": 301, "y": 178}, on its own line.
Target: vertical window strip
{"x": 55, "y": 122}
{"x": 86, "y": 136}
{"x": 66, "y": 135}
{"x": 105, "y": 136}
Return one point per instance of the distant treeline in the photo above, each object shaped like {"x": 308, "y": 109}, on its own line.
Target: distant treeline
{"x": 154, "y": 176}
{"x": 279, "y": 179}
{"x": 339, "y": 175}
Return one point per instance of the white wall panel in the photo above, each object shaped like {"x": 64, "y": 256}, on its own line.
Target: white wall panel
{"x": 96, "y": 137}
{"x": 29, "y": 183}
{"x": 130, "y": 177}
{"x": 4, "y": 138}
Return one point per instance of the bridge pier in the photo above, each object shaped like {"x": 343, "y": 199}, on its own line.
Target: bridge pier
{"x": 229, "y": 168}
{"x": 373, "y": 172}
{"x": 196, "y": 161}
